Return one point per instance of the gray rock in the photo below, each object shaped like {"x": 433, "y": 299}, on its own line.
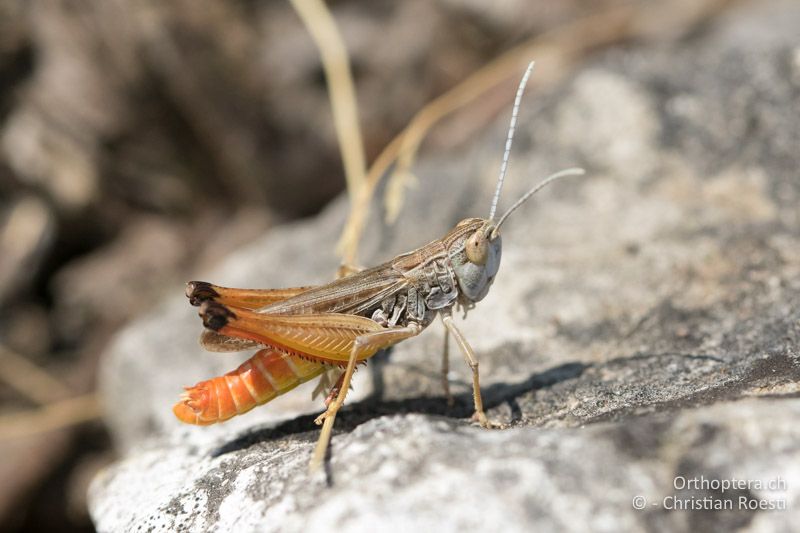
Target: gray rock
{"x": 412, "y": 472}
{"x": 635, "y": 310}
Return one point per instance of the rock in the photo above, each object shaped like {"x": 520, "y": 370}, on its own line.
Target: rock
{"x": 433, "y": 473}
{"x": 132, "y": 269}
{"x": 644, "y": 327}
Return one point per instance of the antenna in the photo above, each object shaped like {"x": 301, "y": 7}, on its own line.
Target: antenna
{"x": 543, "y": 183}
{"x": 511, "y": 127}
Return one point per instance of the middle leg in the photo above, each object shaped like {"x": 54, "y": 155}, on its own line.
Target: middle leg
{"x": 446, "y": 369}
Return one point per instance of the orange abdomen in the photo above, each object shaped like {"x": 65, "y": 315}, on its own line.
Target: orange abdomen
{"x": 266, "y": 375}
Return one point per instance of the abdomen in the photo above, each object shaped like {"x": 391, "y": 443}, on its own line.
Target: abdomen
{"x": 263, "y": 377}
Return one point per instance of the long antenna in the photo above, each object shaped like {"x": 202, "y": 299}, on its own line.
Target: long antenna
{"x": 511, "y": 127}
{"x": 543, "y": 183}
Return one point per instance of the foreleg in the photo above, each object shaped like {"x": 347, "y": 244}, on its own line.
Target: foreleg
{"x": 472, "y": 361}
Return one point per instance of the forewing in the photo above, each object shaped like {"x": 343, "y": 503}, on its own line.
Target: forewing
{"x": 201, "y": 291}
{"x": 349, "y": 295}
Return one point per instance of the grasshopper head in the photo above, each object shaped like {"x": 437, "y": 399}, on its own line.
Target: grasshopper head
{"x": 474, "y": 244}
{"x": 475, "y": 256}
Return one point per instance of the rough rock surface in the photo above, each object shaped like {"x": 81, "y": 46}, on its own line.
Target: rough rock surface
{"x": 645, "y": 325}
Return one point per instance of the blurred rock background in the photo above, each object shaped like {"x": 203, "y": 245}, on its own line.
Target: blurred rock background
{"x": 141, "y": 143}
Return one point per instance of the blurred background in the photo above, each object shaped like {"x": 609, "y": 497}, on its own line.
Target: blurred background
{"x": 142, "y": 142}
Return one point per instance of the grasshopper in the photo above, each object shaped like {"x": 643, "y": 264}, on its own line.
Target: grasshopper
{"x": 303, "y": 332}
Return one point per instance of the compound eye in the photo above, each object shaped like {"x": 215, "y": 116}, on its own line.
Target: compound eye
{"x": 477, "y": 248}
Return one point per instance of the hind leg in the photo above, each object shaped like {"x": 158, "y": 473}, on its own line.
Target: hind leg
{"x": 364, "y": 343}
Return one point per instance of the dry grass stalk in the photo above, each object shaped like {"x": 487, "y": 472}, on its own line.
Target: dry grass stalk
{"x": 336, "y": 63}
{"x": 555, "y": 52}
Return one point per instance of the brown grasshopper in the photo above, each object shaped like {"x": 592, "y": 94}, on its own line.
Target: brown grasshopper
{"x": 303, "y": 332}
